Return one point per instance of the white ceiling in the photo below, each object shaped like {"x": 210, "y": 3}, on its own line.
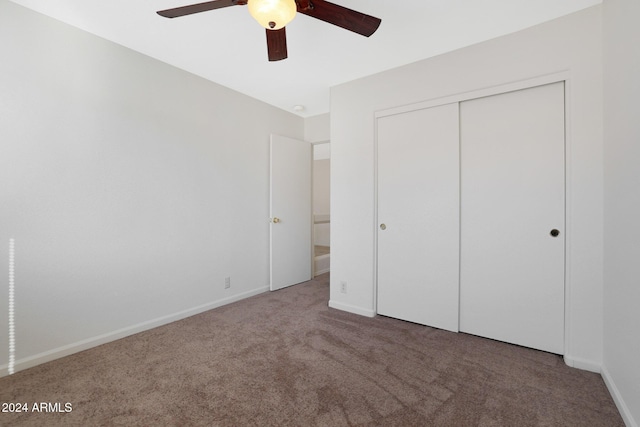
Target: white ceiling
{"x": 228, "y": 47}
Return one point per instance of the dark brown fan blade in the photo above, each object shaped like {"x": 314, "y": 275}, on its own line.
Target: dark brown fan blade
{"x": 340, "y": 16}
{"x": 200, "y": 7}
{"x": 277, "y": 44}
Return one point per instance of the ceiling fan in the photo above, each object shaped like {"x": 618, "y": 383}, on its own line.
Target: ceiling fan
{"x": 274, "y": 15}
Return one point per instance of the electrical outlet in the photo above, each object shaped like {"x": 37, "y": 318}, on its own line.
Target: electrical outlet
{"x": 227, "y": 282}
{"x": 343, "y": 287}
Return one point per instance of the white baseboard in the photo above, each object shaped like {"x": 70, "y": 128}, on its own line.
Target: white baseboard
{"x": 617, "y": 398}
{"x": 324, "y": 270}
{"x": 584, "y": 364}
{"x": 57, "y": 353}
{"x": 352, "y": 309}
{"x": 322, "y": 264}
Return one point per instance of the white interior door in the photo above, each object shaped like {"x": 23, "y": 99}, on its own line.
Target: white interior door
{"x": 418, "y": 216}
{"x": 513, "y": 196}
{"x": 290, "y": 211}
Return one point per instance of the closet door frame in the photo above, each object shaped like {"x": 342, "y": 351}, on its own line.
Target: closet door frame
{"x": 563, "y": 76}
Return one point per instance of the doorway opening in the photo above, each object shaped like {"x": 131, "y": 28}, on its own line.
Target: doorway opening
{"x": 321, "y": 208}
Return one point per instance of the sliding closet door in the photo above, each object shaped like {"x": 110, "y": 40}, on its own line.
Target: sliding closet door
{"x": 513, "y": 217}
{"x": 418, "y": 216}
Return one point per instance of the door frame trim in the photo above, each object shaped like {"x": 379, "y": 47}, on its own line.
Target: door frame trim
{"x": 560, "y": 76}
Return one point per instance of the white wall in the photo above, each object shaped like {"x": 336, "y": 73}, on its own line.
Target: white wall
{"x": 316, "y": 128}
{"x": 132, "y": 188}
{"x": 622, "y": 204}
{"x": 570, "y": 44}
{"x": 321, "y": 188}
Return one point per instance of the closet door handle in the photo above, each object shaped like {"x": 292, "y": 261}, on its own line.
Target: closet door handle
{"x": 383, "y": 227}
{"x": 555, "y": 233}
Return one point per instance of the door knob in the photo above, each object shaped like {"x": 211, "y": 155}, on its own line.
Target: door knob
{"x": 383, "y": 227}
{"x": 275, "y": 220}
{"x": 554, "y": 233}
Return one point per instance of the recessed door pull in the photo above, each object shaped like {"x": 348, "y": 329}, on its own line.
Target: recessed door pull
{"x": 554, "y": 233}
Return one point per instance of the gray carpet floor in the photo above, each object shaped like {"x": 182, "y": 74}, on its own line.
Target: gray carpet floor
{"x": 285, "y": 358}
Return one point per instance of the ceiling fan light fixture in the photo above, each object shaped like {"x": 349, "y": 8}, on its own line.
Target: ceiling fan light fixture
{"x": 272, "y": 14}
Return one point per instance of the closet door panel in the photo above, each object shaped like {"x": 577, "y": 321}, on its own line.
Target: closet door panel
{"x": 512, "y": 197}
{"x": 418, "y": 216}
